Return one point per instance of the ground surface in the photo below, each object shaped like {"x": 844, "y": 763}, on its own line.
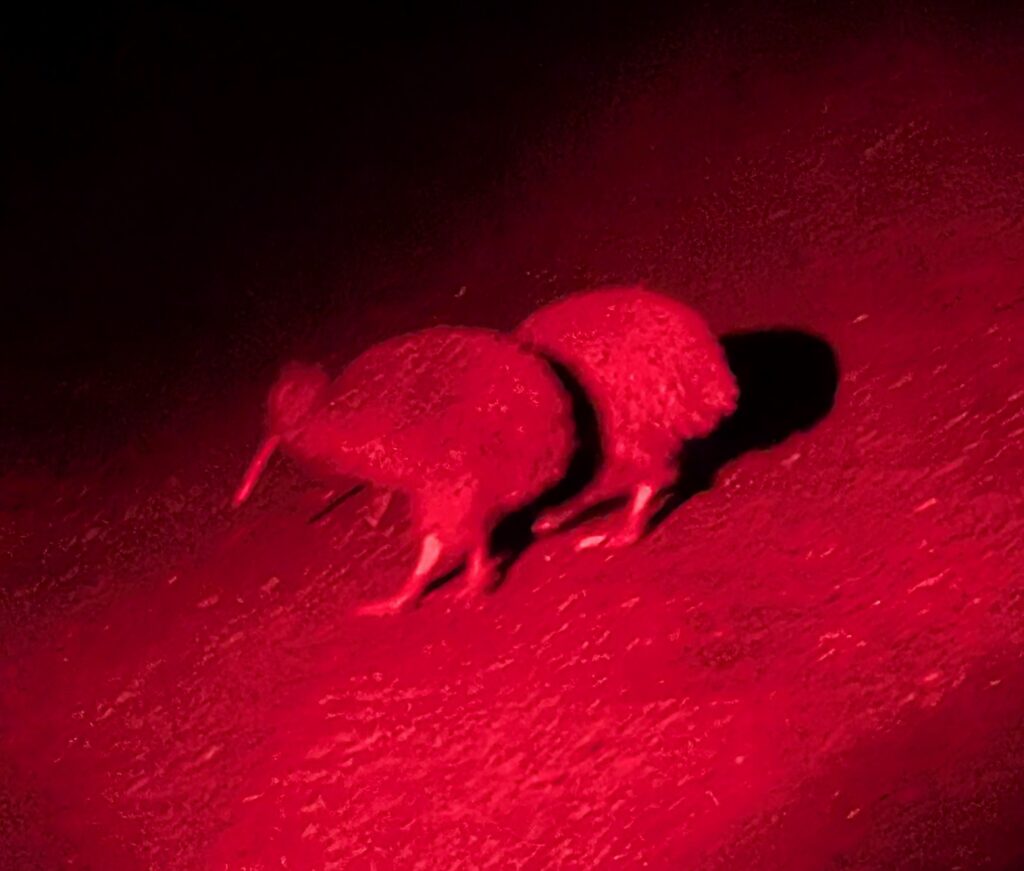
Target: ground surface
{"x": 815, "y": 664}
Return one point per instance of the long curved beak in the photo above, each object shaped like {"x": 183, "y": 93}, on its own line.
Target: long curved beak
{"x": 256, "y": 467}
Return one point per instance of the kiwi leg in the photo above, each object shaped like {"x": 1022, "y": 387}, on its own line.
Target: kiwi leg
{"x": 480, "y": 572}
{"x": 430, "y": 554}
{"x": 633, "y": 526}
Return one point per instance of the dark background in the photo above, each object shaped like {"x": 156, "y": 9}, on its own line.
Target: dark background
{"x": 813, "y": 663}
{"x": 176, "y": 177}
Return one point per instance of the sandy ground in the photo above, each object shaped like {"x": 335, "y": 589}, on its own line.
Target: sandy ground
{"x": 817, "y": 663}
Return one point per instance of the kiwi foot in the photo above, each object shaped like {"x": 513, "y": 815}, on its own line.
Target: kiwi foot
{"x": 385, "y": 607}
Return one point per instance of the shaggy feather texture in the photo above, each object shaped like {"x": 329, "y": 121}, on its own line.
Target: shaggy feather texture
{"x": 653, "y": 369}
{"x": 465, "y": 421}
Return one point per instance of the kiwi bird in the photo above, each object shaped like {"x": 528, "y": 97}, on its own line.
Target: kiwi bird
{"x": 466, "y": 422}
{"x": 656, "y": 376}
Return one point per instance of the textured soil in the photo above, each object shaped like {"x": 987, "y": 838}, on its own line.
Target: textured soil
{"x": 814, "y": 662}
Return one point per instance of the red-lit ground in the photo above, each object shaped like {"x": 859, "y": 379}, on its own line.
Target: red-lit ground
{"x": 815, "y": 664}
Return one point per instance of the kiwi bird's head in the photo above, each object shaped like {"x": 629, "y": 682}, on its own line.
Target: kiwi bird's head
{"x": 297, "y": 394}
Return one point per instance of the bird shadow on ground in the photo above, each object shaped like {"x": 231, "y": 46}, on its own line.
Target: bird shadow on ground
{"x": 335, "y": 502}
{"x": 787, "y": 382}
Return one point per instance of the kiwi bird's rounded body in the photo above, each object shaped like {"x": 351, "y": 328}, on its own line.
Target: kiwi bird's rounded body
{"x": 652, "y": 367}
{"x": 656, "y": 376}
{"x": 464, "y": 420}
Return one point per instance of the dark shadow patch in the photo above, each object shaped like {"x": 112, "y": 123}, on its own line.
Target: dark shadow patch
{"x": 335, "y": 502}
{"x": 787, "y": 380}
{"x": 440, "y": 581}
